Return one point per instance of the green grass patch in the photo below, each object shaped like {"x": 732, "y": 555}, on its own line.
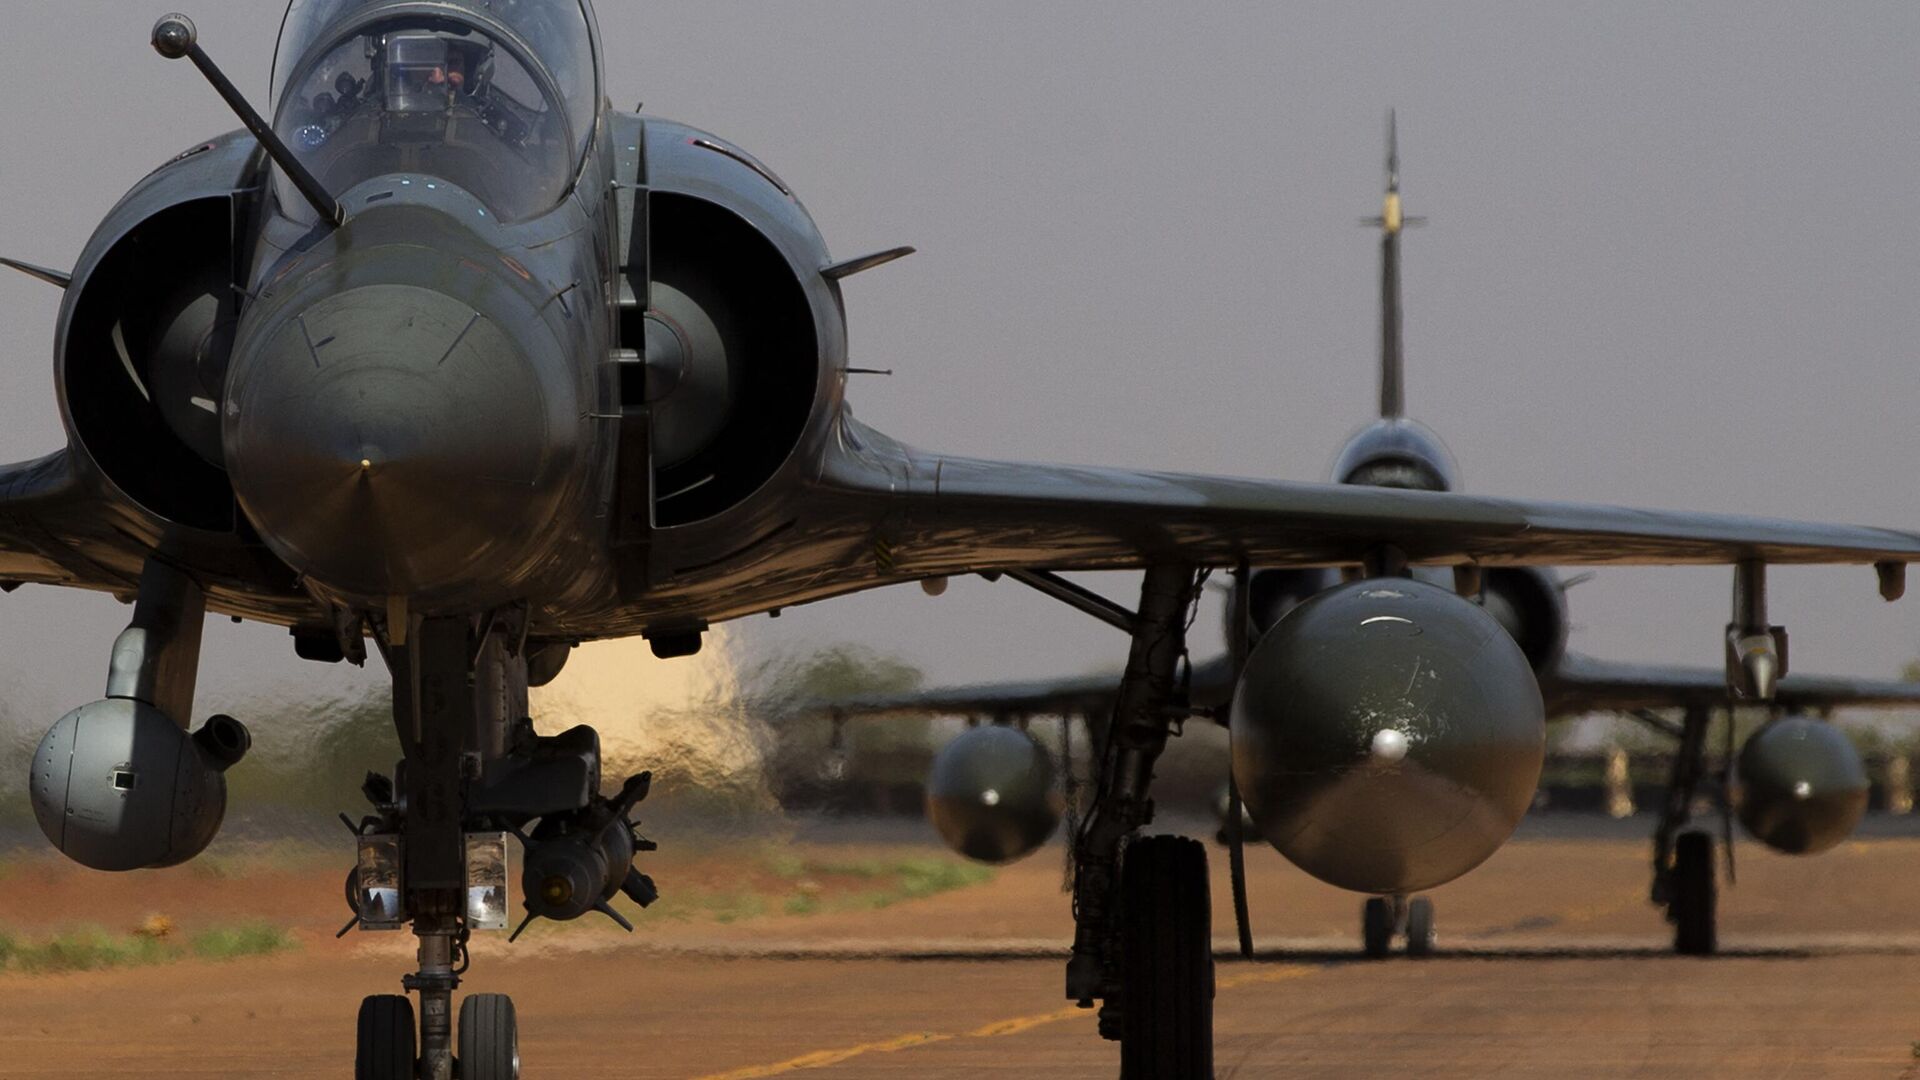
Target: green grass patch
{"x": 247, "y": 939}
{"x": 782, "y": 883}
{"x": 92, "y": 948}
{"x": 785, "y": 864}
{"x": 85, "y": 949}
{"x": 724, "y": 906}
{"x": 822, "y": 884}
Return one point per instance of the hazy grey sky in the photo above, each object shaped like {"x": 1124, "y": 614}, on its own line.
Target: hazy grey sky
{"x": 1672, "y": 263}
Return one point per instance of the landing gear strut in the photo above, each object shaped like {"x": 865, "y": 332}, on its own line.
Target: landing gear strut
{"x": 1683, "y": 871}
{"x": 433, "y": 855}
{"x": 1143, "y": 935}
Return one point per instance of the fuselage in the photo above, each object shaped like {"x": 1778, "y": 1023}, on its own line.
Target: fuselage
{"x": 426, "y": 404}
{"x": 556, "y": 357}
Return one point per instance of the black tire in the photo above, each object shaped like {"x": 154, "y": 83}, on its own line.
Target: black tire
{"x": 1376, "y": 926}
{"x": 1166, "y": 1030}
{"x": 385, "y": 1047}
{"x": 1694, "y": 895}
{"x": 489, "y": 1038}
{"x": 1420, "y": 927}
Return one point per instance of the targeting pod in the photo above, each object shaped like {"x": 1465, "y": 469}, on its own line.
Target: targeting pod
{"x": 991, "y": 794}
{"x": 1803, "y": 788}
{"x": 117, "y": 785}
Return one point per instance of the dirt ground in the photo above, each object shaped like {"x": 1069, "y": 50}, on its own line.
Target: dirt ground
{"x": 1552, "y": 964}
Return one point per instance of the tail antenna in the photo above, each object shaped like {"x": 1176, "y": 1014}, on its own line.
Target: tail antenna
{"x": 1393, "y": 152}
{"x": 1390, "y": 222}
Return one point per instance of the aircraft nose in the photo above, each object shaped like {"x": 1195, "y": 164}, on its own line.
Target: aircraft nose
{"x": 392, "y": 440}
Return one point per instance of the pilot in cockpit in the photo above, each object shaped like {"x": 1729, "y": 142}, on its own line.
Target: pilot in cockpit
{"x": 426, "y": 71}
{"x": 416, "y": 81}
{"x": 423, "y": 75}
{"x": 456, "y": 98}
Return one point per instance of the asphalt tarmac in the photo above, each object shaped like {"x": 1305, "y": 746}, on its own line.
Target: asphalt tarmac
{"x": 1551, "y": 964}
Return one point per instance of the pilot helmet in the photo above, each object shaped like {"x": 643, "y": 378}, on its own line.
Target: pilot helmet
{"x": 417, "y": 73}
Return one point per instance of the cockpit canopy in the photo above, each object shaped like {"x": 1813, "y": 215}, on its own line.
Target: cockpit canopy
{"x": 1397, "y": 453}
{"x": 495, "y": 96}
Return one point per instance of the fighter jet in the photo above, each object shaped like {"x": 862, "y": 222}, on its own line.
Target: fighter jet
{"x": 1806, "y": 787}
{"x": 445, "y": 359}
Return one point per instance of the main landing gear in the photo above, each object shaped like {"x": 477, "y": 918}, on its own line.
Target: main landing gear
{"x": 432, "y": 856}
{"x": 1144, "y": 933}
{"x": 1166, "y": 1021}
{"x": 1383, "y": 918}
{"x": 1683, "y": 858}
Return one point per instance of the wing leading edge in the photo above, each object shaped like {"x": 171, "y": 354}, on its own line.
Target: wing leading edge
{"x": 1581, "y": 684}
{"x": 955, "y": 515}
{"x": 946, "y": 515}
{"x": 1575, "y": 686}
{"x": 50, "y": 532}
{"x": 1081, "y": 695}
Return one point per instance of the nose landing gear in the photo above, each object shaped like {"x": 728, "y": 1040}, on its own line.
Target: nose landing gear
{"x": 433, "y": 855}
{"x": 1383, "y": 918}
{"x": 1683, "y": 857}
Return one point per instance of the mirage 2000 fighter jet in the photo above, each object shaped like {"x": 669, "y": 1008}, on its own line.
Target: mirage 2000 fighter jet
{"x": 993, "y": 793}
{"x": 446, "y": 359}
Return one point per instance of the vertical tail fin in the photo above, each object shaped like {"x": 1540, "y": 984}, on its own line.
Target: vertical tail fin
{"x": 1391, "y": 222}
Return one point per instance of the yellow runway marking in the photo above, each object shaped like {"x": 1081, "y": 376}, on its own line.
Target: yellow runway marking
{"x": 1590, "y": 912}
{"x": 1265, "y": 975}
{"x": 822, "y": 1058}
{"x": 1024, "y": 1023}
{"x": 1015, "y": 1025}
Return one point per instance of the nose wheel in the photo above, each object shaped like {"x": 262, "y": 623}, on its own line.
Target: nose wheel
{"x": 385, "y": 1047}
{"x": 489, "y": 1039}
{"x": 1420, "y": 927}
{"x": 1692, "y": 895}
{"x": 1383, "y": 918}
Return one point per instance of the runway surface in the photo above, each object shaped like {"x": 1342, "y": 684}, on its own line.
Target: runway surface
{"x": 1553, "y": 964}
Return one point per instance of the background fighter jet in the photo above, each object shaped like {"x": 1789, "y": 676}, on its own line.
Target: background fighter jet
{"x": 449, "y": 361}
{"x": 1806, "y": 787}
